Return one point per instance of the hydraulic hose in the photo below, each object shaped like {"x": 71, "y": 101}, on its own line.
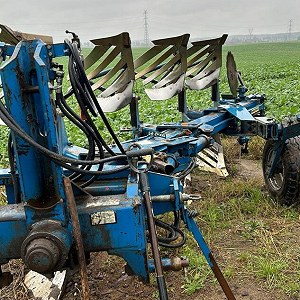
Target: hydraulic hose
{"x": 59, "y": 159}
{"x": 75, "y": 54}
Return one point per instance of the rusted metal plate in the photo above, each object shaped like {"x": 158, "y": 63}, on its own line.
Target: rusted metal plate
{"x": 32, "y": 36}
{"x": 103, "y": 217}
{"x": 9, "y": 36}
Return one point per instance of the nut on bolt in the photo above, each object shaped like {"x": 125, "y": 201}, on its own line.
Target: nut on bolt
{"x": 178, "y": 264}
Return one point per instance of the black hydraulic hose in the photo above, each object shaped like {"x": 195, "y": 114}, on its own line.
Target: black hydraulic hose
{"x": 79, "y": 89}
{"x": 98, "y": 139}
{"x": 174, "y": 232}
{"x": 89, "y": 120}
{"x": 74, "y": 51}
{"x": 79, "y": 94}
{"x": 81, "y": 124}
{"x": 176, "y": 219}
{"x": 171, "y": 237}
{"x": 91, "y": 152}
{"x": 71, "y": 115}
{"x": 10, "y": 122}
{"x": 15, "y": 181}
{"x": 89, "y": 172}
{"x": 92, "y": 97}
{"x": 56, "y": 157}
{"x": 188, "y": 170}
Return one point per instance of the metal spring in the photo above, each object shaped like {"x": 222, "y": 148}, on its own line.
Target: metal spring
{"x": 192, "y": 213}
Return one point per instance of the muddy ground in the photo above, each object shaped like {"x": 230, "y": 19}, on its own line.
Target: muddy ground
{"x": 107, "y": 279}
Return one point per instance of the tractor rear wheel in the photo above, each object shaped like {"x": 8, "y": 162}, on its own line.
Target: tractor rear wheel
{"x": 283, "y": 186}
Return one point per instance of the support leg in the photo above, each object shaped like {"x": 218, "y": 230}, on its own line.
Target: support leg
{"x": 193, "y": 228}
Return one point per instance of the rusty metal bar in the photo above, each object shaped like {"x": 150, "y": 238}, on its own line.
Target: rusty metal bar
{"x": 78, "y": 238}
{"x": 161, "y": 283}
{"x": 221, "y": 279}
{"x": 7, "y": 35}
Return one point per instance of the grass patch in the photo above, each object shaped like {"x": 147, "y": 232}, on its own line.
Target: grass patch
{"x": 254, "y": 237}
{"x": 199, "y": 272}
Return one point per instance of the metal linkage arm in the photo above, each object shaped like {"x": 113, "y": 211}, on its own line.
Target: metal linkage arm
{"x": 193, "y": 228}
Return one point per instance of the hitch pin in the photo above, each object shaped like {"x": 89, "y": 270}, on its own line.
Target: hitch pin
{"x": 183, "y": 197}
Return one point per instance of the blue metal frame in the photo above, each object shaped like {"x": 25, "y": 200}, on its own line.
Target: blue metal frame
{"x": 29, "y": 101}
{"x": 111, "y": 211}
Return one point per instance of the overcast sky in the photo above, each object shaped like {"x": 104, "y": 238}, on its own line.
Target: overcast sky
{"x": 201, "y": 18}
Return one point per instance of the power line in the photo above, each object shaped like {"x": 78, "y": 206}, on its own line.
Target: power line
{"x": 93, "y": 22}
{"x": 290, "y": 29}
{"x": 250, "y": 33}
{"x": 146, "y": 34}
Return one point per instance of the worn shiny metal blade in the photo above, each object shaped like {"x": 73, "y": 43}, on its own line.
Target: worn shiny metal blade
{"x": 110, "y": 68}
{"x": 117, "y": 101}
{"x": 166, "y": 92}
{"x": 205, "y": 82}
{"x": 163, "y": 67}
{"x": 212, "y": 160}
{"x": 204, "y": 60}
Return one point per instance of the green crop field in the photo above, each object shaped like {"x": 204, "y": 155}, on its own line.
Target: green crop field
{"x": 273, "y": 69}
{"x": 256, "y": 240}
{"x": 270, "y": 68}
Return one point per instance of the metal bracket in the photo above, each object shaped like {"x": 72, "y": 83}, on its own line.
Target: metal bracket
{"x": 238, "y": 111}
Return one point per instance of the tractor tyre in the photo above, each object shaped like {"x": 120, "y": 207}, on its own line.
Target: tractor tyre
{"x": 283, "y": 186}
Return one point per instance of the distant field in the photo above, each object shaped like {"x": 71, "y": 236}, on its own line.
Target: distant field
{"x": 273, "y": 69}
{"x": 255, "y": 240}
{"x": 269, "y": 68}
